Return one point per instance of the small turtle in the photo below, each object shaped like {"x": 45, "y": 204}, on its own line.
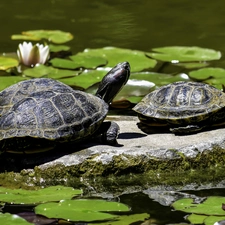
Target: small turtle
{"x": 39, "y": 113}
{"x": 185, "y": 107}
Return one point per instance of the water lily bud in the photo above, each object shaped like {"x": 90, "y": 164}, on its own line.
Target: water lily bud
{"x": 30, "y": 55}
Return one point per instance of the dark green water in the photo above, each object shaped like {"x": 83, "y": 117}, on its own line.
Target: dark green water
{"x": 133, "y": 24}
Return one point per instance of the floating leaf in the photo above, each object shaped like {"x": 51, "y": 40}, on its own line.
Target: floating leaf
{"x": 50, "y": 72}
{"x": 196, "y": 219}
{"x": 25, "y": 37}
{"x": 135, "y": 88}
{"x": 158, "y": 79}
{"x": 85, "y": 79}
{"x": 87, "y": 61}
{"x": 184, "y": 54}
{"x": 207, "y": 73}
{"x": 213, "y": 219}
{"x": 10, "y": 80}
{"x": 217, "y": 83}
{"x": 126, "y": 219}
{"x": 192, "y": 65}
{"x": 58, "y": 48}
{"x": 20, "y": 196}
{"x": 211, "y": 206}
{"x": 55, "y": 36}
{"x": 8, "y": 219}
{"x": 64, "y": 63}
{"x": 137, "y": 59}
{"x": 81, "y": 210}
{"x": 6, "y": 63}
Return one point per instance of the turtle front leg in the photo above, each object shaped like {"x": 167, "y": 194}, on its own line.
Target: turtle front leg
{"x": 109, "y": 132}
{"x": 189, "y": 129}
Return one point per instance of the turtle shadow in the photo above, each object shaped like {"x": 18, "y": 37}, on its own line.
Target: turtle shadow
{"x": 166, "y": 129}
{"x": 131, "y": 135}
{"x": 12, "y": 162}
{"x": 153, "y": 129}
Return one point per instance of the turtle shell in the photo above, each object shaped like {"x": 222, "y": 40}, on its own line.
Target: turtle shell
{"x": 182, "y": 103}
{"x": 53, "y": 111}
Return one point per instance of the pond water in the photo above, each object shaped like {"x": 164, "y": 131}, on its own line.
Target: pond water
{"x": 132, "y": 24}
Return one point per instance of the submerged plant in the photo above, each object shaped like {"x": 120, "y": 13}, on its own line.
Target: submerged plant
{"x": 31, "y": 55}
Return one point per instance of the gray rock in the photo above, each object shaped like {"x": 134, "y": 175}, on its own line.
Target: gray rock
{"x": 136, "y": 153}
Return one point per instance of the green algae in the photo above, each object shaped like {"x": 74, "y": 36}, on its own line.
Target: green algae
{"x": 157, "y": 169}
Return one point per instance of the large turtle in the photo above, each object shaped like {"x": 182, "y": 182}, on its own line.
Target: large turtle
{"x": 185, "y": 107}
{"x": 39, "y": 113}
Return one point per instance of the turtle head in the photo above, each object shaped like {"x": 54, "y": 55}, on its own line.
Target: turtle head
{"x": 113, "y": 81}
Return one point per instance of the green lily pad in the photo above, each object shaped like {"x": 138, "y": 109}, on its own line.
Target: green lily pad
{"x": 20, "y": 196}
{"x": 213, "y": 219}
{"x": 133, "y": 87}
{"x": 217, "y": 83}
{"x": 55, "y": 36}
{"x": 10, "y": 219}
{"x": 134, "y": 99}
{"x": 196, "y": 219}
{"x": 158, "y": 79}
{"x": 204, "y": 219}
{"x": 86, "y": 79}
{"x": 87, "y": 61}
{"x": 184, "y": 54}
{"x": 207, "y": 73}
{"x": 64, "y": 63}
{"x": 25, "y": 37}
{"x": 6, "y": 63}
{"x": 126, "y": 219}
{"x": 81, "y": 210}
{"x": 58, "y": 48}
{"x": 48, "y": 71}
{"x": 7, "y": 81}
{"x": 211, "y": 206}
{"x": 113, "y": 55}
{"x": 193, "y": 65}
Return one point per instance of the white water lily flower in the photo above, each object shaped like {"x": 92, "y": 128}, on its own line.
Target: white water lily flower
{"x": 30, "y": 55}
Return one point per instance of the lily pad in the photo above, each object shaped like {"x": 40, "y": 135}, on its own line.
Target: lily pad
{"x": 158, "y": 79}
{"x": 58, "y": 48}
{"x": 204, "y": 219}
{"x": 207, "y": 73}
{"x": 81, "y": 210}
{"x": 217, "y": 83}
{"x": 126, "y": 219}
{"x": 9, "y": 219}
{"x": 196, "y": 219}
{"x": 213, "y": 219}
{"x": 50, "y": 72}
{"x": 6, "y": 63}
{"x": 64, "y": 63}
{"x": 184, "y": 54}
{"x": 113, "y": 55}
{"x": 137, "y": 88}
{"x": 211, "y": 206}
{"x": 25, "y": 37}
{"x": 86, "y": 79}
{"x": 55, "y": 36}
{"x": 87, "y": 61}
{"x": 20, "y": 196}
{"x": 7, "y": 81}
{"x": 192, "y": 65}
